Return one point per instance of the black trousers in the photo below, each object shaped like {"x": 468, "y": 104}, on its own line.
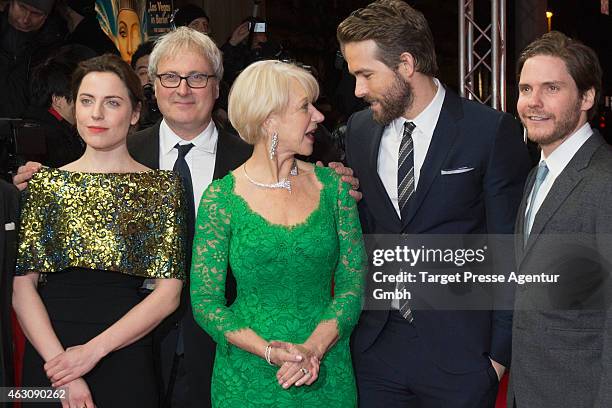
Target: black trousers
{"x": 187, "y": 374}
{"x": 395, "y": 372}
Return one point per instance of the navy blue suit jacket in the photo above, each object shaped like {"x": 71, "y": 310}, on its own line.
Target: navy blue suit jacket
{"x": 481, "y": 201}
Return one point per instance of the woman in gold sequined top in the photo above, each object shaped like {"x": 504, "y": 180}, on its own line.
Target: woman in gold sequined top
{"x": 91, "y": 232}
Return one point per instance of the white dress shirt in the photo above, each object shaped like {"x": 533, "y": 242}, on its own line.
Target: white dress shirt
{"x": 388, "y": 152}
{"x": 556, "y": 162}
{"x": 200, "y": 159}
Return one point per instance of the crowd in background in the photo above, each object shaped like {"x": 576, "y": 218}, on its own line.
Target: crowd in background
{"x": 42, "y": 42}
{"x": 428, "y": 162}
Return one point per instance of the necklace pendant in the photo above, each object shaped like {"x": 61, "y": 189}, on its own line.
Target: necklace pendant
{"x": 284, "y": 183}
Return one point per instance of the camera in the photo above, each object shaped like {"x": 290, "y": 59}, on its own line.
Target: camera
{"x": 20, "y": 141}
{"x": 258, "y": 27}
{"x": 150, "y": 113}
{"x": 149, "y": 96}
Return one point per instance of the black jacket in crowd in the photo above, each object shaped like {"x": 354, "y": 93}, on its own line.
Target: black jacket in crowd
{"x": 19, "y": 53}
{"x": 63, "y": 143}
{"x": 9, "y": 199}
{"x": 89, "y": 34}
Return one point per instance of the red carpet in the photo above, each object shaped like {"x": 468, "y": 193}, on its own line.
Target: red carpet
{"x": 19, "y": 342}
{"x": 503, "y": 392}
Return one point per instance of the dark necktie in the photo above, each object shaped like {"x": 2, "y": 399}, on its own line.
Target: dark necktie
{"x": 181, "y": 167}
{"x": 405, "y": 169}
{"x": 405, "y": 189}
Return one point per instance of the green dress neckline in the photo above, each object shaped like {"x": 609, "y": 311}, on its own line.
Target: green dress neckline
{"x": 246, "y": 207}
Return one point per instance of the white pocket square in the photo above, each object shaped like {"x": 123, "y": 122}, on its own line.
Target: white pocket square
{"x": 456, "y": 171}
{"x": 9, "y": 227}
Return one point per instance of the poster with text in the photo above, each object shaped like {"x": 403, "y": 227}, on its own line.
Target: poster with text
{"x": 160, "y": 14}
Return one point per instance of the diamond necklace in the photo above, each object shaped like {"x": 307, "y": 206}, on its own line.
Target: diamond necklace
{"x": 283, "y": 183}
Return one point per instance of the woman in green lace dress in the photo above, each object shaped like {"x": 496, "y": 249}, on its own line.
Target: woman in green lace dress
{"x": 290, "y": 233}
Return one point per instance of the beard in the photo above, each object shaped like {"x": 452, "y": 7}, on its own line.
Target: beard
{"x": 563, "y": 126}
{"x": 396, "y": 100}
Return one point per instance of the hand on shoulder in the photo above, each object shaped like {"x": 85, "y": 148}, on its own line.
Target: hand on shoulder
{"x": 25, "y": 173}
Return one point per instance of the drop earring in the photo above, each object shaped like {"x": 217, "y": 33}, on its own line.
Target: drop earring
{"x": 273, "y": 145}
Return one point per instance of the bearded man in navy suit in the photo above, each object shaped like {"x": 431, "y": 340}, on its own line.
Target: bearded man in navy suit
{"x": 429, "y": 162}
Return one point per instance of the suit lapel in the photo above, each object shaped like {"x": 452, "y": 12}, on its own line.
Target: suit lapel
{"x": 519, "y": 229}
{"x": 563, "y": 186}
{"x": 144, "y": 146}
{"x": 231, "y": 153}
{"x": 383, "y": 208}
{"x": 220, "y": 157}
{"x": 442, "y": 141}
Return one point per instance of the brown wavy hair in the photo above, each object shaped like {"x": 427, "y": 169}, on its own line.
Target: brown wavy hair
{"x": 396, "y": 28}
{"x": 581, "y": 61}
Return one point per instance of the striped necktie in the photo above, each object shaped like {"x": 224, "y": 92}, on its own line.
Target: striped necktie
{"x": 405, "y": 169}
{"x": 405, "y": 189}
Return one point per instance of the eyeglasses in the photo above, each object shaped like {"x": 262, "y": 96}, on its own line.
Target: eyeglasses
{"x": 170, "y": 80}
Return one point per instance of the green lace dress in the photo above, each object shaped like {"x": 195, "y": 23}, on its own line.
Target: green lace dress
{"x": 284, "y": 278}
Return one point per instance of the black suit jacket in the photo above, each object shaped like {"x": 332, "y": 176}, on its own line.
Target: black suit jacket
{"x": 480, "y": 201}
{"x": 231, "y": 150}
{"x": 9, "y": 199}
{"x": 198, "y": 345}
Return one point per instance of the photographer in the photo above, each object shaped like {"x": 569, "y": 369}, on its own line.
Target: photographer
{"x": 150, "y": 114}
{"x": 27, "y": 37}
{"x": 249, "y": 43}
{"x": 192, "y": 16}
{"x": 52, "y": 107}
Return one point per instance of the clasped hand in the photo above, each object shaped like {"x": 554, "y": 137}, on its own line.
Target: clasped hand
{"x": 73, "y": 363}
{"x": 78, "y": 395}
{"x": 298, "y": 364}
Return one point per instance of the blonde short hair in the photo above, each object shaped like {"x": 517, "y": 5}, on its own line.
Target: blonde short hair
{"x": 262, "y": 89}
{"x": 174, "y": 43}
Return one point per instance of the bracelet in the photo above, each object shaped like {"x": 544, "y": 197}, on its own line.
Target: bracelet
{"x": 268, "y": 353}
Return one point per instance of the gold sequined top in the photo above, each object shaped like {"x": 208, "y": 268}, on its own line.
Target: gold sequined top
{"x": 133, "y": 223}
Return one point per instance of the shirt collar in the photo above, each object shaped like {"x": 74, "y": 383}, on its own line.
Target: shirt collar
{"x": 426, "y": 120}
{"x": 55, "y": 114}
{"x": 205, "y": 141}
{"x": 561, "y": 156}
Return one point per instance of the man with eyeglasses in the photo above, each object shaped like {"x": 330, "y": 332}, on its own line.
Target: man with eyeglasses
{"x": 186, "y": 67}
{"x": 25, "y": 41}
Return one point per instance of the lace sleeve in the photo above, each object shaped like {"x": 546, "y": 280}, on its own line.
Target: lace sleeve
{"x": 209, "y": 265}
{"x": 349, "y": 274}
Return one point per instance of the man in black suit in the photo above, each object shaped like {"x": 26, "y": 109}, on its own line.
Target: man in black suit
{"x": 186, "y": 351}
{"x": 429, "y": 162}
{"x": 8, "y": 248}
{"x": 562, "y": 333}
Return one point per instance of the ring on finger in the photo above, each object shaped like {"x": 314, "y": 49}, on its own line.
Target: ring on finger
{"x": 304, "y": 371}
